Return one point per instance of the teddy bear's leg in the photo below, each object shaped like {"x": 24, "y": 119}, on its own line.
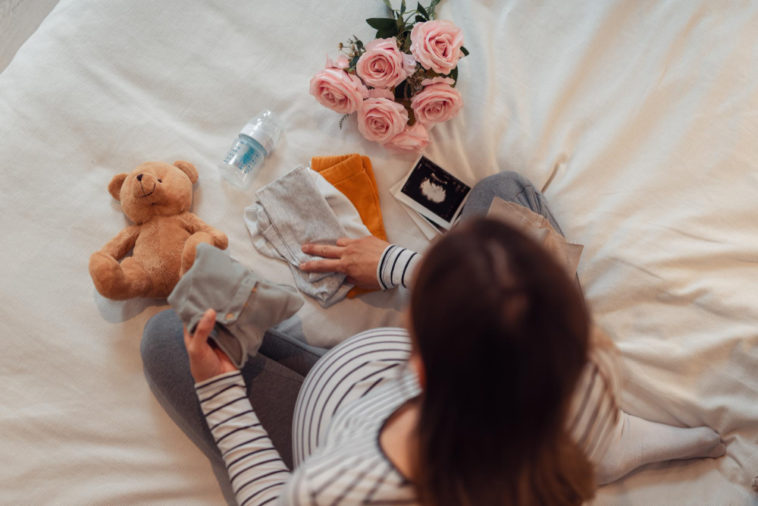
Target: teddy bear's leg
{"x": 188, "y": 253}
{"x": 136, "y": 277}
{"x": 106, "y": 274}
{"x": 118, "y": 281}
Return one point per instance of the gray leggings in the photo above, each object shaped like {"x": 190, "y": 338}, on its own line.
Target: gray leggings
{"x": 273, "y": 377}
{"x": 511, "y": 187}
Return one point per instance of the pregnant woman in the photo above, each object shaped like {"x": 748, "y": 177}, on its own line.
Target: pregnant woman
{"x": 498, "y": 392}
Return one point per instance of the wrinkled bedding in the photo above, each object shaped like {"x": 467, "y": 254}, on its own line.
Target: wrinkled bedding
{"x": 639, "y": 120}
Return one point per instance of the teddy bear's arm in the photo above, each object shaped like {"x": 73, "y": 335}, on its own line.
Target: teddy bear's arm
{"x": 195, "y": 224}
{"x": 123, "y": 243}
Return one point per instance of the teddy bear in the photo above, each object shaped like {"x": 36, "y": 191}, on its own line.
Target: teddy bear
{"x": 156, "y": 196}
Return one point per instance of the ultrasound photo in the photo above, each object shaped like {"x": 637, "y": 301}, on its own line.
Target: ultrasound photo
{"x": 436, "y": 190}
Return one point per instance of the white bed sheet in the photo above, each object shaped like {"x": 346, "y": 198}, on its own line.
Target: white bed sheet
{"x": 18, "y": 20}
{"x": 641, "y": 116}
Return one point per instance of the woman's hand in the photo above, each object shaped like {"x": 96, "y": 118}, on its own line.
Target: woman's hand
{"x": 358, "y": 259}
{"x": 205, "y": 361}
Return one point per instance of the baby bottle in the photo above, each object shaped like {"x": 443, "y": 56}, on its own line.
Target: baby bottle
{"x": 256, "y": 140}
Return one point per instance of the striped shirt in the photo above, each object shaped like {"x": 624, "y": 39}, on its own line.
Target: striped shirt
{"x": 396, "y": 266}
{"x": 341, "y": 407}
{"x": 340, "y": 411}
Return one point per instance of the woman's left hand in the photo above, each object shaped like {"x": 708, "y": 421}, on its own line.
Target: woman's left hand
{"x": 358, "y": 259}
{"x": 205, "y": 361}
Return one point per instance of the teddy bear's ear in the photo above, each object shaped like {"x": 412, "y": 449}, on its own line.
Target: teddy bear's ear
{"x": 114, "y": 187}
{"x": 188, "y": 169}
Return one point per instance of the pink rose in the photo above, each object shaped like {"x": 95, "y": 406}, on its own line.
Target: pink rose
{"x": 342, "y": 62}
{"x": 446, "y": 80}
{"x": 338, "y": 90}
{"x": 437, "y": 45}
{"x": 414, "y": 138}
{"x": 382, "y": 65}
{"x": 409, "y": 64}
{"x": 436, "y": 103}
{"x": 380, "y": 119}
{"x": 381, "y": 93}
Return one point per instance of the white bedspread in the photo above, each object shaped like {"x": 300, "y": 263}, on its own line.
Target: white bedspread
{"x": 641, "y": 115}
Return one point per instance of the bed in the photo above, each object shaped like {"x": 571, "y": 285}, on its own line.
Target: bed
{"x": 639, "y": 119}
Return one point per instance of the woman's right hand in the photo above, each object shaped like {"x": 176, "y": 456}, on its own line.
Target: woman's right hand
{"x": 358, "y": 259}
{"x": 205, "y": 361}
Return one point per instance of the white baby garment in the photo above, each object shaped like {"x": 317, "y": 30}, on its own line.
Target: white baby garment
{"x": 302, "y": 207}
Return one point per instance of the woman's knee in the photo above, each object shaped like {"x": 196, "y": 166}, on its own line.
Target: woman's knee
{"x": 506, "y": 185}
{"x": 509, "y": 186}
{"x": 162, "y": 339}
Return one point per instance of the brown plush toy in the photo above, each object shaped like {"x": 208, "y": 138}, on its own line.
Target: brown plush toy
{"x": 156, "y": 196}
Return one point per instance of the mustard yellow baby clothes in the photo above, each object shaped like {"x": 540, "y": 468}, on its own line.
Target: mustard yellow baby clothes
{"x": 353, "y": 175}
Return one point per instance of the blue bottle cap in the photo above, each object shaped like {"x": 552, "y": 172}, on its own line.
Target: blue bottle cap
{"x": 265, "y": 129}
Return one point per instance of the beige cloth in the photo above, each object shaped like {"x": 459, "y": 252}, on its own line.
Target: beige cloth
{"x": 537, "y": 227}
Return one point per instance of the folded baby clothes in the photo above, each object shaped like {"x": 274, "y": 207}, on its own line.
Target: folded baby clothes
{"x": 353, "y": 175}
{"x": 246, "y": 305}
{"x": 297, "y": 208}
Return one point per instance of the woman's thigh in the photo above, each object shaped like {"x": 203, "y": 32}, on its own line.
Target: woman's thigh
{"x": 272, "y": 388}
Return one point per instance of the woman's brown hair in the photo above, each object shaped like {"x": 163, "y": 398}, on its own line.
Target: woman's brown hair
{"x": 502, "y": 332}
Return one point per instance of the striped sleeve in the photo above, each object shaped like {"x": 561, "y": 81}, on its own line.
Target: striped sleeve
{"x": 396, "y": 267}
{"x": 594, "y": 414}
{"x": 256, "y": 470}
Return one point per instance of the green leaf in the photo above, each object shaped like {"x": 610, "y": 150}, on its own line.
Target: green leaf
{"x": 402, "y": 7}
{"x": 400, "y": 24}
{"x": 464, "y": 51}
{"x": 400, "y": 91}
{"x": 389, "y": 5}
{"x": 422, "y": 12}
{"x": 431, "y": 8}
{"x": 382, "y": 23}
{"x": 385, "y": 27}
{"x": 406, "y": 46}
{"x": 386, "y": 34}
{"x": 454, "y": 75}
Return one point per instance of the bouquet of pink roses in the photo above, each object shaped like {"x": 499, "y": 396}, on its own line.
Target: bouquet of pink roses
{"x": 400, "y": 84}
